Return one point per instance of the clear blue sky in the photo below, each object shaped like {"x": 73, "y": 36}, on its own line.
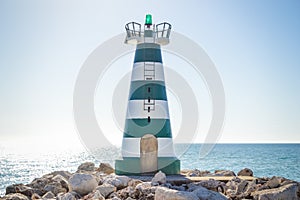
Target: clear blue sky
{"x": 255, "y": 46}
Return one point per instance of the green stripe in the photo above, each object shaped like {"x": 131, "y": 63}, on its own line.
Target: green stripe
{"x": 147, "y": 53}
{"x": 140, "y": 127}
{"x": 139, "y": 90}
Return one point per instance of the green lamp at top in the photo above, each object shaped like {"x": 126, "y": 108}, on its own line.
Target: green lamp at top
{"x": 148, "y": 20}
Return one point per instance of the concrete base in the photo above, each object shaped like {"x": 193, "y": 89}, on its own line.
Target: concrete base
{"x": 131, "y": 166}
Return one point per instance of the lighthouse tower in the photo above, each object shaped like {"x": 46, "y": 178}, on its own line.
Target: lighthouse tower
{"x": 147, "y": 145}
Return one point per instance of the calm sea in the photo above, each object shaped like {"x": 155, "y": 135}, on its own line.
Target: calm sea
{"x": 263, "y": 159}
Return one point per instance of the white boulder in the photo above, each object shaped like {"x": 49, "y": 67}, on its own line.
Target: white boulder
{"x": 82, "y": 183}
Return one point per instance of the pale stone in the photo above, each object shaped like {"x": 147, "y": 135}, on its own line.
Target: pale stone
{"x": 106, "y": 189}
{"x": 284, "y": 192}
{"x": 82, "y": 183}
{"x": 159, "y": 178}
{"x": 203, "y": 194}
{"x": 162, "y": 193}
{"x": 142, "y": 186}
{"x": 118, "y": 181}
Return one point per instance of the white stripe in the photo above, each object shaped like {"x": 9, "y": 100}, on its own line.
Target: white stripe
{"x": 139, "y": 109}
{"x": 131, "y": 147}
{"x": 138, "y": 71}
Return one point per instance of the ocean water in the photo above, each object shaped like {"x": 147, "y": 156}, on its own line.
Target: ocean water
{"x": 264, "y": 159}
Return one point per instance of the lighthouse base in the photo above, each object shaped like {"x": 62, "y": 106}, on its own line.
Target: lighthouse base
{"x": 132, "y": 166}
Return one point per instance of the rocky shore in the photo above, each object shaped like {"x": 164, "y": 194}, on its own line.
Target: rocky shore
{"x": 91, "y": 182}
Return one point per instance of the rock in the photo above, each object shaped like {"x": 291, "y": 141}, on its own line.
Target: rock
{"x": 194, "y": 173}
{"x": 210, "y": 184}
{"x": 48, "y": 195}
{"x": 20, "y": 188}
{"x": 205, "y": 194}
{"x": 274, "y": 182}
{"x": 106, "y": 168}
{"x": 106, "y": 189}
{"x": 134, "y": 182}
{"x": 38, "y": 185}
{"x": 129, "y": 198}
{"x": 284, "y": 192}
{"x": 224, "y": 173}
{"x": 97, "y": 195}
{"x": 163, "y": 193}
{"x": 65, "y": 174}
{"x": 245, "y": 172}
{"x": 119, "y": 182}
{"x": 82, "y": 183}
{"x": 126, "y": 192}
{"x": 55, "y": 188}
{"x": 15, "y": 196}
{"x": 159, "y": 178}
{"x": 62, "y": 181}
{"x": 67, "y": 196}
{"x": 242, "y": 187}
{"x": 35, "y": 196}
{"x": 87, "y": 166}
{"x": 142, "y": 186}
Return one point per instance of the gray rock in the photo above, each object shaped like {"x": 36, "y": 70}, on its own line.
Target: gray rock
{"x": 48, "y": 195}
{"x": 142, "y": 186}
{"x": 274, "y": 182}
{"x": 245, "y": 172}
{"x": 38, "y": 185}
{"x": 106, "y": 168}
{"x": 159, "y": 178}
{"x": 98, "y": 195}
{"x": 210, "y": 184}
{"x": 163, "y": 193}
{"x": 55, "y": 188}
{"x": 20, "y": 188}
{"x": 194, "y": 173}
{"x": 242, "y": 187}
{"x": 67, "y": 196}
{"x": 288, "y": 192}
{"x": 82, "y": 183}
{"x": 224, "y": 173}
{"x": 65, "y": 174}
{"x": 134, "y": 182}
{"x": 106, "y": 189}
{"x": 119, "y": 182}
{"x": 87, "y": 166}
{"x": 205, "y": 194}
{"x": 15, "y": 196}
{"x": 62, "y": 181}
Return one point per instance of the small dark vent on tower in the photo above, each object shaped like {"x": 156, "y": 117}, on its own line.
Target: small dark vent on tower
{"x": 149, "y": 89}
{"x": 149, "y": 119}
{"x": 148, "y": 108}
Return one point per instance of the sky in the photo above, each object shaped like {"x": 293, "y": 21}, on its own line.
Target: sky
{"x": 253, "y": 44}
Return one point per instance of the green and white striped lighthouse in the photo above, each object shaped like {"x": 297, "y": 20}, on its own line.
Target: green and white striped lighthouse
{"x": 147, "y": 145}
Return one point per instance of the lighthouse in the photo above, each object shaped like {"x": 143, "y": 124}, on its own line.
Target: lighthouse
{"x": 147, "y": 145}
